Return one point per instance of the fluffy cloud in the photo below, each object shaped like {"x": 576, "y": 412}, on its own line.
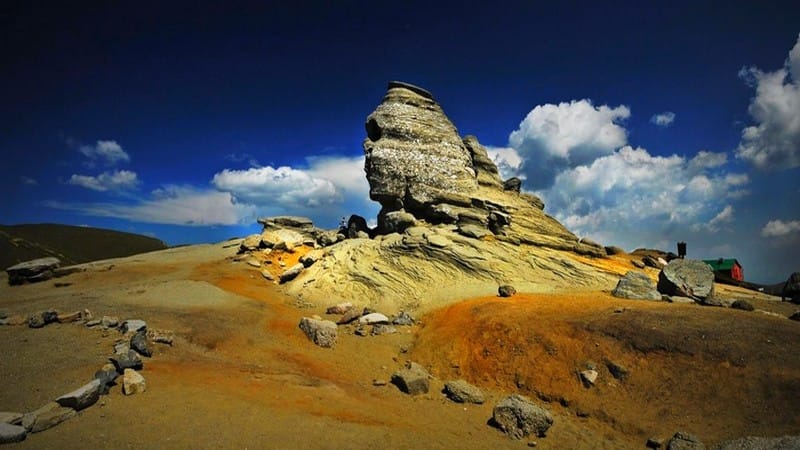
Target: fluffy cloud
{"x": 327, "y": 187}
{"x": 779, "y": 228}
{"x": 118, "y": 180}
{"x": 620, "y": 194}
{"x": 507, "y": 160}
{"x": 107, "y": 152}
{"x": 664, "y": 119}
{"x": 173, "y": 205}
{"x": 774, "y": 141}
{"x": 553, "y": 138}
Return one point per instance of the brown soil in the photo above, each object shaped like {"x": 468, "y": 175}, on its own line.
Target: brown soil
{"x": 242, "y": 375}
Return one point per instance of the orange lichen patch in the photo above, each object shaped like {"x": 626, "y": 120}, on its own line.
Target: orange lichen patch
{"x": 674, "y": 355}
{"x": 616, "y": 264}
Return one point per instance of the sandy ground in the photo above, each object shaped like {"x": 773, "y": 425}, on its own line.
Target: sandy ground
{"x": 242, "y": 375}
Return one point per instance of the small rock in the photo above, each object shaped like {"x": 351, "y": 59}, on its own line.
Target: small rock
{"x": 636, "y": 286}
{"x": 340, "y": 308}
{"x": 654, "y": 443}
{"x": 638, "y": 264}
{"x": 311, "y": 257}
{"x": 291, "y": 273}
{"x": 106, "y": 377}
{"x": 12, "y": 433}
{"x": 139, "y": 343}
{"x": 680, "y": 299}
{"x": 109, "y": 322}
{"x": 373, "y": 318}
{"x": 413, "y": 379}
{"x": 404, "y": 319}
{"x": 130, "y": 360}
{"x": 46, "y": 417}
{"x": 460, "y": 391}
{"x": 30, "y": 271}
{"x": 349, "y": 316}
{"x": 71, "y": 317}
{"x": 133, "y": 382}
{"x": 133, "y": 325}
{"x": 161, "y": 336}
{"x": 93, "y": 323}
{"x": 795, "y": 316}
{"x": 13, "y": 418}
{"x": 82, "y": 397}
{"x": 36, "y": 321}
{"x": 506, "y": 290}
{"x": 684, "y": 441}
{"x": 378, "y": 382}
{"x": 744, "y": 305}
{"x": 518, "y": 417}
{"x": 360, "y": 331}
{"x": 13, "y": 320}
{"x": 321, "y": 332}
{"x": 121, "y": 347}
{"x": 380, "y": 329}
{"x": 617, "y": 371}
{"x": 437, "y": 240}
{"x": 253, "y": 263}
{"x": 589, "y": 377}
{"x": 267, "y": 275}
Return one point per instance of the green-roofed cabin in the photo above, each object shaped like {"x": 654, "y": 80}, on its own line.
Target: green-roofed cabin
{"x": 726, "y": 267}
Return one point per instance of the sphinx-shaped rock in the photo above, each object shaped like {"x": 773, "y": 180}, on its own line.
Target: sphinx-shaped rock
{"x": 414, "y": 155}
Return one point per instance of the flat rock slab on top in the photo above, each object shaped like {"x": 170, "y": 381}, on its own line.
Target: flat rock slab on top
{"x": 33, "y": 270}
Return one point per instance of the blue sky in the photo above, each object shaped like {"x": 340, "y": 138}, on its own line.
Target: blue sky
{"x": 639, "y": 123}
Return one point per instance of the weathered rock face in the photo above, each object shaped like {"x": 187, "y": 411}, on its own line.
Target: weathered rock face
{"x": 637, "y": 286}
{"x": 414, "y": 155}
{"x": 687, "y": 278}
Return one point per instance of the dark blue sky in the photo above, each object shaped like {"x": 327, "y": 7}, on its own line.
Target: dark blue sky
{"x": 175, "y": 120}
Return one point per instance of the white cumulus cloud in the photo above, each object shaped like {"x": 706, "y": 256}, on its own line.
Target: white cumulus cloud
{"x": 553, "y": 138}
{"x": 779, "y": 228}
{"x": 107, "y": 152}
{"x": 507, "y": 160}
{"x": 118, "y": 180}
{"x": 173, "y": 205}
{"x": 664, "y": 119}
{"x": 773, "y": 142}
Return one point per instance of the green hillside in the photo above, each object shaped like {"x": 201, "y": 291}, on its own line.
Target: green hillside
{"x": 70, "y": 244}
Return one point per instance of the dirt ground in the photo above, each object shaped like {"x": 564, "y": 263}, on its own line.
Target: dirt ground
{"x": 242, "y": 375}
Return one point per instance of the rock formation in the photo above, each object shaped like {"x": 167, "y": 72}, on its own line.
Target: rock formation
{"x": 449, "y": 226}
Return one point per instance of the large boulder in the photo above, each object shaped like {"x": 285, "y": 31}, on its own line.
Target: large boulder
{"x": 687, "y": 278}
{"x": 413, "y": 379}
{"x": 34, "y": 270}
{"x": 636, "y": 286}
{"x": 519, "y": 417}
{"x": 414, "y": 155}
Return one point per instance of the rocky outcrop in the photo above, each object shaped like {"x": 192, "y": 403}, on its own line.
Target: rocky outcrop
{"x": 32, "y": 271}
{"x": 636, "y": 286}
{"x": 687, "y": 278}
{"x": 518, "y": 417}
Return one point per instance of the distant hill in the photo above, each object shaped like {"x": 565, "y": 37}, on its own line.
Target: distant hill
{"x": 70, "y": 244}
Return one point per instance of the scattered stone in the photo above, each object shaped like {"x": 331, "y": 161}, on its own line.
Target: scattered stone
{"x": 267, "y": 275}
{"x": 460, "y": 391}
{"x": 106, "y": 377}
{"x": 139, "y": 343}
{"x": 133, "y": 382}
{"x": 13, "y": 418}
{"x": 743, "y": 305}
{"x": 250, "y": 243}
{"x": 31, "y": 271}
{"x": 684, "y": 441}
{"x": 679, "y": 299}
{"x": 638, "y": 264}
{"x": 291, "y": 273}
{"x": 109, "y": 322}
{"x": 506, "y": 290}
{"x": 373, "y": 318}
{"x": 349, "y": 316}
{"x": 518, "y": 417}
{"x": 760, "y": 443}
{"x": 618, "y": 371}
{"x": 36, "y": 321}
{"x": 403, "y": 319}
{"x": 93, "y": 323}
{"x": 121, "y": 347}
{"x": 379, "y": 382}
{"x": 46, "y": 417}
{"x": 133, "y": 325}
{"x": 312, "y": 257}
{"x": 339, "y": 308}
{"x": 380, "y": 329}
{"x": 513, "y": 184}
{"x": 588, "y": 377}
{"x": 687, "y": 278}
{"x": 12, "y": 433}
{"x": 636, "y": 286}
{"x": 361, "y": 331}
{"x": 321, "y": 332}
{"x": 130, "y": 360}
{"x": 413, "y": 379}
{"x": 161, "y": 336}
{"x": 82, "y": 397}
{"x": 253, "y": 263}
{"x": 71, "y": 317}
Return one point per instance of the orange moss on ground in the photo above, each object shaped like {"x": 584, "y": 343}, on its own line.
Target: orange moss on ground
{"x": 718, "y": 373}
